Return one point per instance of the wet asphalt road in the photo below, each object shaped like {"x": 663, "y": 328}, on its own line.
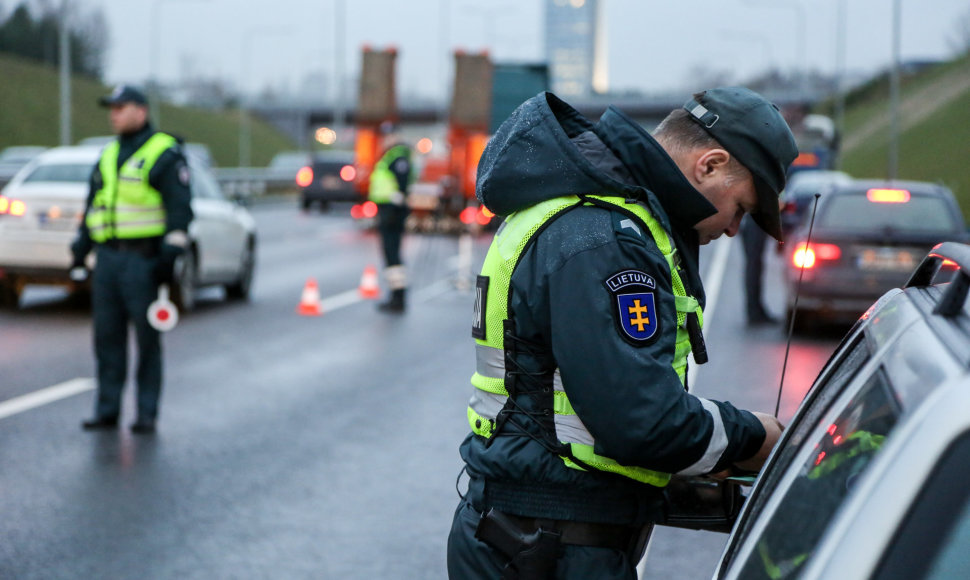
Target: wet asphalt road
{"x": 292, "y": 446}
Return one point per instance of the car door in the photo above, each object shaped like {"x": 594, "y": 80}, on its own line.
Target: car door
{"x": 874, "y": 377}
{"x": 216, "y": 230}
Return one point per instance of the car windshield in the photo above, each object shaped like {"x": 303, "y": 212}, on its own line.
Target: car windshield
{"x": 921, "y": 213}
{"x": 61, "y": 173}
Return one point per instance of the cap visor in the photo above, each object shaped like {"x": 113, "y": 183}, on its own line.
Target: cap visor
{"x": 767, "y": 215}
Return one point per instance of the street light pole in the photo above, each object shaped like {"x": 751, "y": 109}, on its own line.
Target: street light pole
{"x": 154, "y": 94}
{"x": 894, "y": 96}
{"x": 840, "y": 75}
{"x": 65, "y": 74}
{"x": 339, "y": 58}
{"x": 245, "y": 121}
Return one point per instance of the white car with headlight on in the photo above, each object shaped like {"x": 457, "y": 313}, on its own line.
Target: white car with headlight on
{"x": 41, "y": 208}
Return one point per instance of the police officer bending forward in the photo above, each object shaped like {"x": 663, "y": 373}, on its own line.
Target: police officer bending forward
{"x": 136, "y": 219}
{"x": 587, "y": 307}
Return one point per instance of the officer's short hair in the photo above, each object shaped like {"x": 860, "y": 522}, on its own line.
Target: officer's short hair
{"x": 679, "y": 134}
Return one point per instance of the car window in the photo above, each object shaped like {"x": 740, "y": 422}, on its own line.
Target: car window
{"x": 61, "y": 173}
{"x": 920, "y": 214}
{"x": 203, "y": 185}
{"x": 838, "y": 372}
{"x": 831, "y": 462}
{"x": 931, "y": 544}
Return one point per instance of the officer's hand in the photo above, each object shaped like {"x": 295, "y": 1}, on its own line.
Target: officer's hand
{"x": 79, "y": 252}
{"x": 165, "y": 264}
{"x": 79, "y": 273}
{"x": 773, "y": 429}
{"x": 398, "y": 198}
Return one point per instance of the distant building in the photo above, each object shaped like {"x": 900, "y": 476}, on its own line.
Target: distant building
{"x": 576, "y": 47}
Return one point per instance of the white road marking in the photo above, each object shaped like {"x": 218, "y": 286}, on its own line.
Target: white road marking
{"x": 44, "y": 396}
{"x": 712, "y": 289}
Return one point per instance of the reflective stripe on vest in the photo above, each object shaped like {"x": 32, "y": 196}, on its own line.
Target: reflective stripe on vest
{"x": 127, "y": 206}
{"x": 383, "y": 182}
{"x": 490, "y": 395}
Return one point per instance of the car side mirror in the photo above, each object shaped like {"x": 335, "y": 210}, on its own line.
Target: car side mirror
{"x": 701, "y": 503}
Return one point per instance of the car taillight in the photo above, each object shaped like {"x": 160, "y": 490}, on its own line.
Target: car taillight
{"x": 348, "y": 173}
{"x": 304, "y": 177}
{"x": 12, "y": 206}
{"x": 887, "y": 195}
{"x": 806, "y": 256}
{"x": 789, "y": 207}
{"x": 369, "y": 209}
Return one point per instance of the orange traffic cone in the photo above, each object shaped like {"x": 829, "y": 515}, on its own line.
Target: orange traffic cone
{"x": 310, "y": 300}
{"x": 368, "y": 283}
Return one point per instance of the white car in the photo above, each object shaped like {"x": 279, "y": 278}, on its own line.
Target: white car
{"x": 40, "y": 210}
{"x": 870, "y": 477}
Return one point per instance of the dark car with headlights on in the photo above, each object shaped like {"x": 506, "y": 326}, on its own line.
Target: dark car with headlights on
{"x": 869, "y": 479}
{"x": 330, "y": 177}
{"x": 866, "y": 238}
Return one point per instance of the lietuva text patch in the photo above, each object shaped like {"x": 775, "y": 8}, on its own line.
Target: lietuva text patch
{"x": 634, "y": 307}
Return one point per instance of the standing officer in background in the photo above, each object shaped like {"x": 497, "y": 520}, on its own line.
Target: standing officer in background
{"x": 389, "y": 183}
{"x": 136, "y": 219}
{"x": 753, "y": 240}
{"x": 588, "y": 305}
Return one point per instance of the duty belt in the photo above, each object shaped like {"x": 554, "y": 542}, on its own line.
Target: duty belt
{"x": 615, "y": 537}
{"x": 145, "y": 246}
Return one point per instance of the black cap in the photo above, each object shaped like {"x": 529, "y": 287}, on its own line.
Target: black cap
{"x": 752, "y": 130}
{"x": 123, "y": 94}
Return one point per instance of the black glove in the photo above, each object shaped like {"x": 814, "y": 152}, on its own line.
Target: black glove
{"x": 80, "y": 251}
{"x": 165, "y": 263}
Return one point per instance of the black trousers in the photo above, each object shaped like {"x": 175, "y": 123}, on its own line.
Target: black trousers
{"x": 390, "y": 226}
{"x": 753, "y": 239}
{"x": 123, "y": 285}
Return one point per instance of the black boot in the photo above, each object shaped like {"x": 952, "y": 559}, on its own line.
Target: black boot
{"x": 395, "y": 303}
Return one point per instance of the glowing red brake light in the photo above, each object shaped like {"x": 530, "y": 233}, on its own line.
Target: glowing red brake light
{"x": 887, "y": 195}
{"x": 369, "y": 209}
{"x": 467, "y": 215}
{"x": 807, "y": 256}
{"x": 304, "y": 177}
{"x": 348, "y": 172}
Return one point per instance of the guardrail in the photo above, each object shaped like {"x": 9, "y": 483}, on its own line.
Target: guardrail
{"x": 248, "y": 182}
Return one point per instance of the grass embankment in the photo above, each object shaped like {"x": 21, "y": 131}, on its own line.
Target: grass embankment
{"x": 30, "y": 115}
{"x": 934, "y": 126}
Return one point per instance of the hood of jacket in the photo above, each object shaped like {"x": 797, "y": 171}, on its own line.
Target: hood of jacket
{"x": 532, "y": 158}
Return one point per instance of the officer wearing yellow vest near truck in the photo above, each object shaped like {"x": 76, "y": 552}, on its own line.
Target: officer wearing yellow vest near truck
{"x": 587, "y": 307}
{"x": 136, "y": 221}
{"x": 390, "y": 182}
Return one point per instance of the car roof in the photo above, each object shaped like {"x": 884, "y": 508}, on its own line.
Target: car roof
{"x": 70, "y": 153}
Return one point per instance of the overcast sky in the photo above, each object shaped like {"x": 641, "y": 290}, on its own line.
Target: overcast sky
{"x": 653, "y": 46}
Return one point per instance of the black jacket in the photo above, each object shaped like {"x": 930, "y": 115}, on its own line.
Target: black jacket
{"x": 169, "y": 176}
{"x": 628, "y": 395}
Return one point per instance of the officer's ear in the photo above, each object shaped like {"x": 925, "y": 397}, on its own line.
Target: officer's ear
{"x": 710, "y": 164}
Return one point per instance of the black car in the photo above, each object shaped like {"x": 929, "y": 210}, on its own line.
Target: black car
{"x": 800, "y": 191}
{"x": 866, "y": 238}
{"x": 869, "y": 480}
{"x": 331, "y": 177}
